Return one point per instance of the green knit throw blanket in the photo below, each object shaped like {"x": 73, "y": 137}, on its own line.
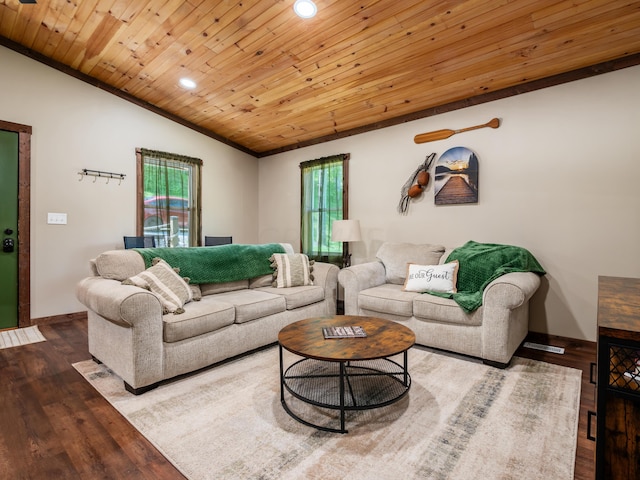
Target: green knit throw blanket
{"x": 482, "y": 263}
{"x": 223, "y": 263}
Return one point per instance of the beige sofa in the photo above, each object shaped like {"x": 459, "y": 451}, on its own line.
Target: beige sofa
{"x": 493, "y": 332}
{"x": 130, "y": 334}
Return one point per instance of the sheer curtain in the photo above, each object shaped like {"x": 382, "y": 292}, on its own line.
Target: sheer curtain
{"x": 169, "y": 198}
{"x": 323, "y": 200}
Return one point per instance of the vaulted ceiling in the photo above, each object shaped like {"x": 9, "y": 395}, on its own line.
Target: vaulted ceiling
{"x": 269, "y": 81}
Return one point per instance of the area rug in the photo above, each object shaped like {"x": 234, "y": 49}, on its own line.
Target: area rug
{"x": 20, "y": 336}
{"x": 460, "y": 420}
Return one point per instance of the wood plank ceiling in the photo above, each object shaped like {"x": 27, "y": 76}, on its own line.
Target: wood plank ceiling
{"x": 268, "y": 81}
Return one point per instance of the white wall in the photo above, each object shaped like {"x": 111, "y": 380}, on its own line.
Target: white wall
{"x": 560, "y": 177}
{"x": 76, "y": 126}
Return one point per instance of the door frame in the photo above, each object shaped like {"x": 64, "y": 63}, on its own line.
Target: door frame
{"x": 24, "y": 219}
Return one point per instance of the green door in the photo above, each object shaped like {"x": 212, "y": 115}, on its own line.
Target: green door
{"x": 9, "y": 229}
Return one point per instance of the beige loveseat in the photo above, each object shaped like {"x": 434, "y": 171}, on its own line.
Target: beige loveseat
{"x": 130, "y": 334}
{"x": 492, "y": 332}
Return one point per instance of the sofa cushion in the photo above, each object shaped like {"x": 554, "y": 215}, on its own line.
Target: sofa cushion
{"x": 198, "y": 318}
{"x": 262, "y": 281}
{"x": 291, "y": 270}
{"x": 164, "y": 282}
{"x": 444, "y": 310}
{"x": 432, "y": 278}
{"x": 213, "y": 288}
{"x": 252, "y": 304}
{"x": 119, "y": 264}
{"x": 396, "y": 256}
{"x": 388, "y": 298}
{"x": 296, "y": 297}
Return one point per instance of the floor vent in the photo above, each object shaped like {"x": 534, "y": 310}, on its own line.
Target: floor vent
{"x": 546, "y": 348}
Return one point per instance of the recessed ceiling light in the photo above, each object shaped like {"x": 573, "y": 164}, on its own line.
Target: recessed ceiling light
{"x": 187, "y": 83}
{"x": 305, "y": 8}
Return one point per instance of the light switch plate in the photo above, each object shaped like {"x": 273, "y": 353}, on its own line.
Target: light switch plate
{"x": 57, "y": 218}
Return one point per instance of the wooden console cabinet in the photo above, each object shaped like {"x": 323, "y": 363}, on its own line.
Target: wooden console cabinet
{"x": 618, "y": 382}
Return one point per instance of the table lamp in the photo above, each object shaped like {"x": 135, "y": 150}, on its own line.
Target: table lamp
{"x": 346, "y": 231}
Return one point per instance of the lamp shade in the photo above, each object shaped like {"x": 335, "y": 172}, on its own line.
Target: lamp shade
{"x": 346, "y": 231}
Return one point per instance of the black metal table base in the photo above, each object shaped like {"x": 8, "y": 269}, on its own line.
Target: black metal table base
{"x": 343, "y": 385}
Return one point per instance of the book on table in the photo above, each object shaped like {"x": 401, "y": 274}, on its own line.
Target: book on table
{"x": 344, "y": 332}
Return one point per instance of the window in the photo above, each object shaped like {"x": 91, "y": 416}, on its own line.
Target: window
{"x": 324, "y": 199}
{"x": 168, "y": 203}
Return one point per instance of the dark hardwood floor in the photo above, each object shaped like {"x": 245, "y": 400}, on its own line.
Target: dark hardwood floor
{"x": 53, "y": 424}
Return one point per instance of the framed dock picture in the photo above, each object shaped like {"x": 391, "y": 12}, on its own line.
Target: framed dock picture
{"x": 456, "y": 177}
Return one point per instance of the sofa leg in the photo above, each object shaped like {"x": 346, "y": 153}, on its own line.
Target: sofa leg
{"x": 491, "y": 363}
{"x": 140, "y": 390}
{"x": 96, "y": 360}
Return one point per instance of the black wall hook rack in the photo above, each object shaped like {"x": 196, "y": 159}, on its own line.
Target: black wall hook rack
{"x": 100, "y": 174}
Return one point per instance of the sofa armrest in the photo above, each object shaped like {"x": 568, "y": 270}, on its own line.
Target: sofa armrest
{"x": 511, "y": 290}
{"x": 124, "y": 305}
{"x": 325, "y": 275}
{"x": 505, "y": 318}
{"x": 357, "y": 278}
{"x": 124, "y": 329}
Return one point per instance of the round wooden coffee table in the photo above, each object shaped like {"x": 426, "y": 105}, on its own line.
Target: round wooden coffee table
{"x": 344, "y": 373}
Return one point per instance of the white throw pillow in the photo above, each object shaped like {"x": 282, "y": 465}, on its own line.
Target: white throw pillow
{"x": 432, "y": 278}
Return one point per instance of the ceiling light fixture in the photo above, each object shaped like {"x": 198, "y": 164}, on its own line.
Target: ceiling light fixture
{"x": 305, "y": 8}
{"x": 187, "y": 83}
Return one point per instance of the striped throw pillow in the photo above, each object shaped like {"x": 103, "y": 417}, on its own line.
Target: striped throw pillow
{"x": 291, "y": 270}
{"x": 164, "y": 282}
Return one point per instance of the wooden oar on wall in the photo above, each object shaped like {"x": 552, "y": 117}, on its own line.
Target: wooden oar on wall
{"x": 446, "y": 133}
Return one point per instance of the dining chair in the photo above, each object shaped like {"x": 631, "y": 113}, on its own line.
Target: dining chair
{"x": 139, "y": 242}
{"x": 213, "y": 241}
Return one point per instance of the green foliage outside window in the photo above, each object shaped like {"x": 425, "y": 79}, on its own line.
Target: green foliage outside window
{"x": 175, "y": 179}
{"x": 323, "y": 201}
